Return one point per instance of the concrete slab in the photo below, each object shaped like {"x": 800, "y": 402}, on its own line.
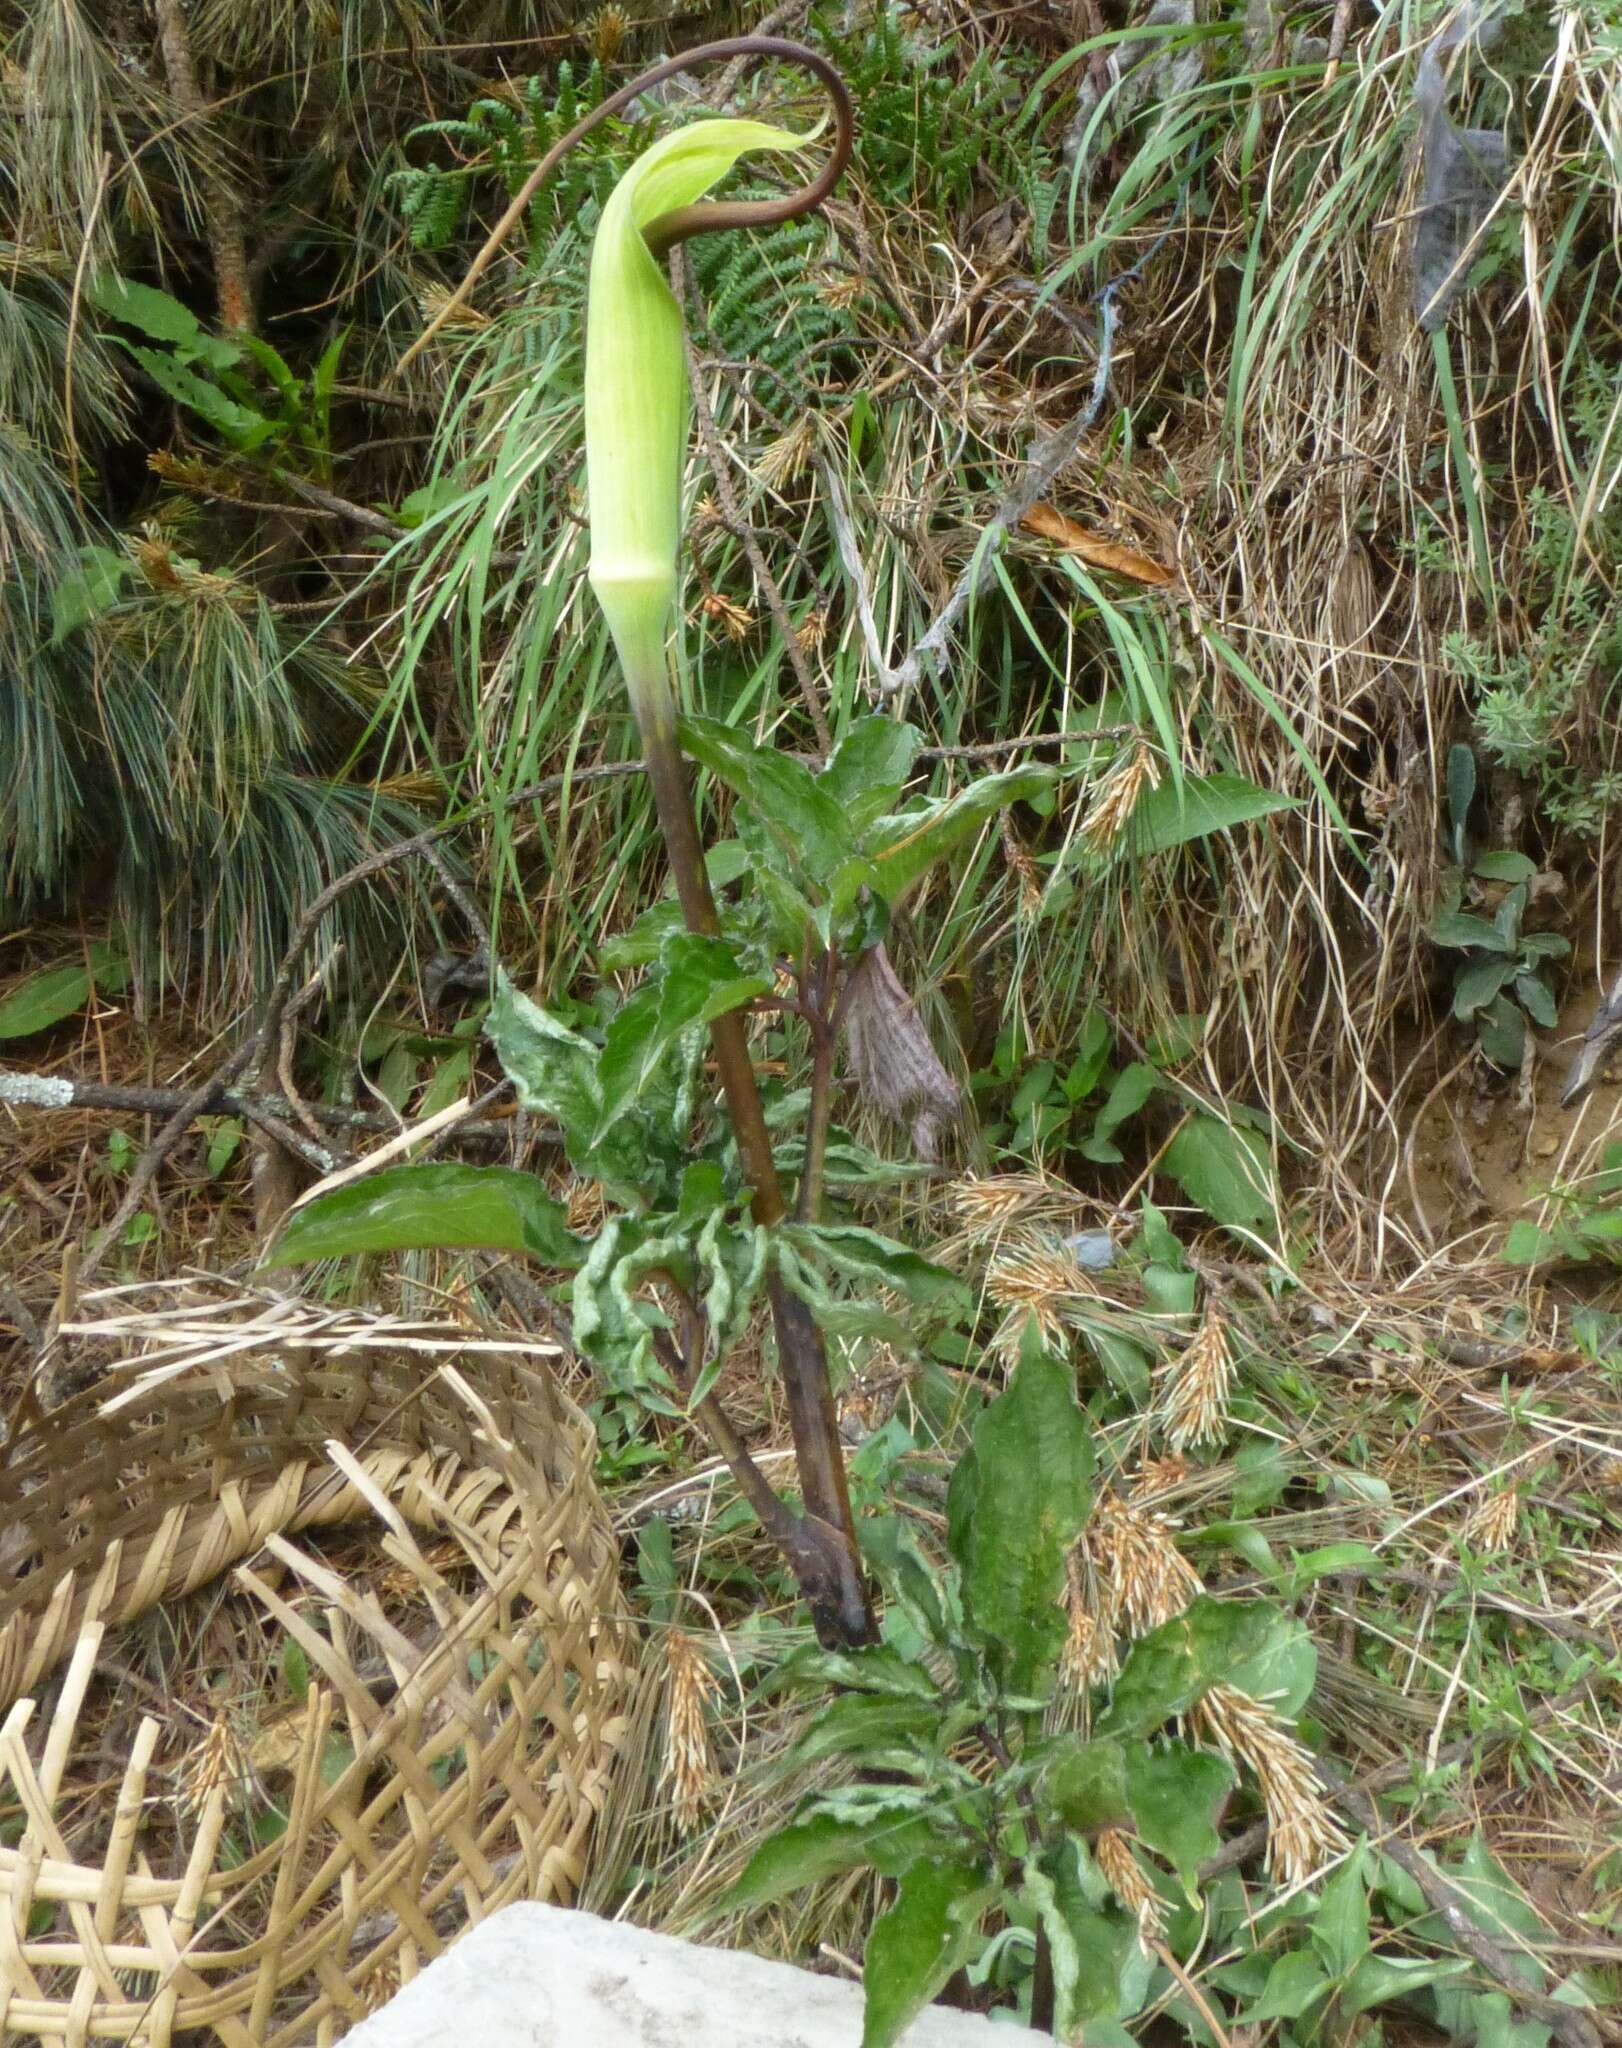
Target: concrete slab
{"x": 543, "y": 1977}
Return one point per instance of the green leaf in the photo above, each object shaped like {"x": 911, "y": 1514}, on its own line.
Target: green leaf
{"x": 803, "y": 1854}
{"x": 1478, "y": 984}
{"x": 1501, "y": 1033}
{"x": 698, "y": 980}
{"x": 878, "y": 1669}
{"x": 1086, "y": 1786}
{"x": 1527, "y": 1245}
{"x": 554, "y": 1072}
{"x": 1131, "y": 1089}
{"x": 1505, "y": 866}
{"x": 1100, "y": 1968}
{"x": 1340, "y": 1927}
{"x": 1295, "y": 1984}
{"x": 160, "y": 318}
{"x": 1377, "y": 1980}
{"x": 1461, "y": 794}
{"x": 909, "y": 845}
{"x": 928, "y": 1933}
{"x": 1168, "y": 1670}
{"x": 1171, "y": 815}
{"x": 881, "y": 1732}
{"x": 1031, "y": 1484}
{"x": 804, "y": 818}
{"x": 1537, "y": 999}
{"x": 49, "y": 994}
{"x": 1175, "y": 1795}
{"x": 87, "y": 591}
{"x": 862, "y": 1254}
{"x": 439, "y": 1206}
{"x": 869, "y": 768}
{"x": 1226, "y": 1169}
{"x": 1461, "y": 928}
{"x": 239, "y": 424}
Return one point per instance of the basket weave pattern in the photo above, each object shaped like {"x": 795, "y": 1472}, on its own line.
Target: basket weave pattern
{"x": 479, "y": 1746}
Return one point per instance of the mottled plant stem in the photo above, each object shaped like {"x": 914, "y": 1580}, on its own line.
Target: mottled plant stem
{"x": 823, "y": 1551}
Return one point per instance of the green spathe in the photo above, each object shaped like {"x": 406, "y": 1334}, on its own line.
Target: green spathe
{"x": 636, "y": 387}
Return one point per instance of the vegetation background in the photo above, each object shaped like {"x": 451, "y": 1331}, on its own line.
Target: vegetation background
{"x": 1116, "y": 323}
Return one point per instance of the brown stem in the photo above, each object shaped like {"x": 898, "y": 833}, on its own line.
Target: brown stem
{"x": 822, "y": 1548}
{"x": 227, "y": 240}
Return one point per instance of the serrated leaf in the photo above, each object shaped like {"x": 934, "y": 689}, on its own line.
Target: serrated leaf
{"x": 1225, "y": 1169}
{"x": 803, "y": 818}
{"x": 240, "y": 424}
{"x": 928, "y": 1933}
{"x": 1032, "y": 1461}
{"x": 161, "y": 318}
{"x": 435, "y": 1207}
{"x": 1527, "y": 1245}
{"x": 878, "y": 1669}
{"x": 698, "y": 980}
{"x": 1174, "y": 1796}
{"x": 908, "y": 846}
{"x": 1174, "y": 814}
{"x": 49, "y": 994}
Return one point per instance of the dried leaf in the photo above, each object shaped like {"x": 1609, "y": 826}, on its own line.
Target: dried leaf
{"x": 1098, "y": 553}
{"x": 896, "y": 1067}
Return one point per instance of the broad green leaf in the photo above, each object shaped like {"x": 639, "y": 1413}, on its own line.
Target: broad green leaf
{"x": 1505, "y": 866}
{"x": 869, "y": 768}
{"x": 436, "y": 1207}
{"x": 1537, "y": 999}
{"x": 161, "y": 318}
{"x": 239, "y": 424}
{"x": 879, "y": 1669}
{"x": 874, "y": 1729}
{"x": 1501, "y": 1033}
{"x": 1462, "y": 928}
{"x": 1527, "y": 1245}
{"x": 1340, "y": 1927}
{"x": 1168, "y": 1670}
{"x": 698, "y": 980}
{"x": 88, "y": 590}
{"x": 47, "y": 996}
{"x": 1175, "y": 1795}
{"x": 1086, "y": 1786}
{"x": 1032, "y": 1463}
{"x": 1377, "y": 1980}
{"x": 908, "y": 846}
{"x": 1461, "y": 793}
{"x": 1171, "y": 816}
{"x": 1225, "y": 1168}
{"x": 928, "y": 1933}
{"x": 1478, "y": 984}
{"x": 803, "y": 817}
{"x": 1131, "y": 1089}
{"x": 862, "y": 1254}
{"x": 1104, "y": 1972}
{"x": 1295, "y": 1984}
{"x": 803, "y": 1854}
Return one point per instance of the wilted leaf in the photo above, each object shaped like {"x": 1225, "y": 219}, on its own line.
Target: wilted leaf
{"x": 1093, "y": 549}
{"x": 897, "y": 1069}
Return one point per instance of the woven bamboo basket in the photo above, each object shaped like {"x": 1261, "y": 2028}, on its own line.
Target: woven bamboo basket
{"x": 447, "y": 1748}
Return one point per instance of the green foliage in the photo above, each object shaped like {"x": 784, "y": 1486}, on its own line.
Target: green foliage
{"x": 49, "y": 994}
{"x": 1500, "y": 983}
{"x": 407, "y": 1208}
{"x": 974, "y": 1811}
{"x": 1583, "y": 1222}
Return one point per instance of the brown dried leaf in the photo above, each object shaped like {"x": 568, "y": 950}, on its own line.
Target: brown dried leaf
{"x": 896, "y": 1067}
{"x": 1050, "y": 524}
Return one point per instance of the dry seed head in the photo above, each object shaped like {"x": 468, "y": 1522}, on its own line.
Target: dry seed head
{"x": 433, "y": 299}
{"x": 1117, "y": 797}
{"x": 216, "y": 1759}
{"x": 1492, "y": 1523}
{"x": 735, "y": 620}
{"x": 783, "y": 460}
{"x": 1041, "y": 1279}
{"x": 380, "y": 1982}
{"x": 606, "y": 31}
{"x": 1158, "y": 1475}
{"x": 812, "y": 630}
{"x": 1195, "y": 1405}
{"x": 1088, "y": 1658}
{"x": 986, "y": 1202}
{"x": 688, "y": 1767}
{"x": 1023, "y": 869}
{"x": 1302, "y": 1833}
{"x": 1121, "y": 1871}
{"x": 1135, "y": 1555}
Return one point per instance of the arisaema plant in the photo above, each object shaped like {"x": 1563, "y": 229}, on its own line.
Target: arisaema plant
{"x": 699, "y": 1245}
